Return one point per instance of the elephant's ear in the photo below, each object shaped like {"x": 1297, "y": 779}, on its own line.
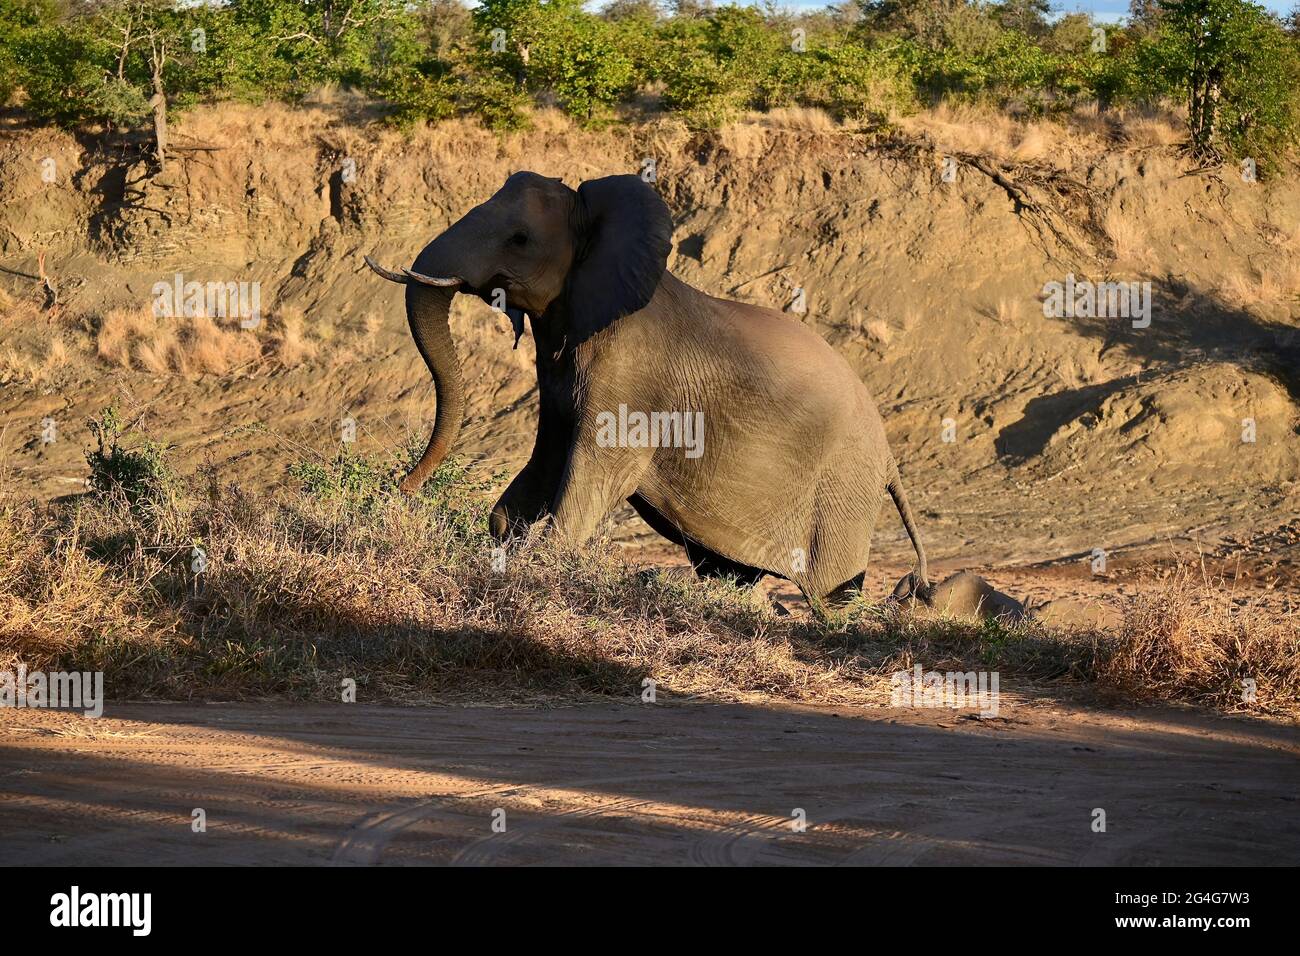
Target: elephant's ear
{"x": 623, "y": 251}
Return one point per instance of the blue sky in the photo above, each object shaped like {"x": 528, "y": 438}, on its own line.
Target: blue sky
{"x": 1111, "y": 10}
{"x": 1105, "y": 10}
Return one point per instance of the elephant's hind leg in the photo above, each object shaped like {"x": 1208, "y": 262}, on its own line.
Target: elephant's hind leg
{"x": 842, "y": 596}
{"x": 710, "y": 564}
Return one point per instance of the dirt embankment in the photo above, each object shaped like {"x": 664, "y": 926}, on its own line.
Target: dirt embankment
{"x": 922, "y": 256}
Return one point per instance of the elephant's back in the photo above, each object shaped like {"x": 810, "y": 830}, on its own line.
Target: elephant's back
{"x": 805, "y": 372}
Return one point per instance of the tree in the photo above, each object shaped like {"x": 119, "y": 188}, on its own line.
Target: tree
{"x": 522, "y": 24}
{"x": 1071, "y": 34}
{"x": 1292, "y": 21}
{"x": 586, "y": 68}
{"x": 621, "y": 10}
{"x": 692, "y": 9}
{"x": 142, "y": 37}
{"x": 1143, "y": 15}
{"x": 19, "y": 19}
{"x": 921, "y": 20}
{"x": 448, "y": 23}
{"x": 1027, "y": 16}
{"x": 1234, "y": 68}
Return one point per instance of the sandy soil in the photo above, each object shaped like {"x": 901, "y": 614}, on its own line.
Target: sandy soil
{"x": 681, "y": 783}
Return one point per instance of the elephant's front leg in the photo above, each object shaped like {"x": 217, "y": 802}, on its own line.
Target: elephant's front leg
{"x": 527, "y": 499}
{"x": 596, "y": 479}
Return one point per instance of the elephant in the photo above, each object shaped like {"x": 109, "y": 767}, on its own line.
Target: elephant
{"x": 964, "y": 594}
{"x": 788, "y": 465}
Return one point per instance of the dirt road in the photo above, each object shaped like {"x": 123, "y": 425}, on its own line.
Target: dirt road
{"x": 683, "y": 783}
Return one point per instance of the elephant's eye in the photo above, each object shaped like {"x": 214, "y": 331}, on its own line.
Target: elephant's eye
{"x": 519, "y": 239}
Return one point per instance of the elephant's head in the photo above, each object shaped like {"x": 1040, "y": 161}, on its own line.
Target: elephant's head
{"x": 574, "y": 259}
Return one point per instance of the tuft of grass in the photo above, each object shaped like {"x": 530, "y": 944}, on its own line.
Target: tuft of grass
{"x": 1126, "y": 236}
{"x": 37, "y": 360}
{"x": 293, "y": 346}
{"x": 189, "y": 345}
{"x": 1194, "y": 640}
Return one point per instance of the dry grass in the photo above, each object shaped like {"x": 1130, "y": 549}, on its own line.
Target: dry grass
{"x": 1262, "y": 288}
{"x": 55, "y": 598}
{"x": 265, "y": 125}
{"x": 135, "y": 338}
{"x": 213, "y": 348}
{"x": 879, "y": 331}
{"x": 292, "y": 344}
{"x": 1193, "y": 640}
{"x": 299, "y": 595}
{"x": 1005, "y": 311}
{"x": 1058, "y": 141}
{"x": 411, "y": 600}
{"x": 1126, "y": 236}
{"x": 806, "y": 118}
{"x": 1285, "y": 277}
{"x": 1138, "y": 127}
{"x": 1153, "y": 127}
{"x": 35, "y": 367}
{"x": 966, "y": 128}
{"x": 1091, "y": 121}
{"x": 37, "y": 353}
{"x": 118, "y": 330}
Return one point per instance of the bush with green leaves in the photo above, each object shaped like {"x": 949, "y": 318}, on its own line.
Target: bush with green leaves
{"x": 587, "y": 68}
{"x": 847, "y": 80}
{"x": 141, "y": 474}
{"x": 1232, "y": 64}
{"x": 999, "y": 65}
{"x": 716, "y": 67}
{"x": 1236, "y": 70}
{"x": 458, "y": 493}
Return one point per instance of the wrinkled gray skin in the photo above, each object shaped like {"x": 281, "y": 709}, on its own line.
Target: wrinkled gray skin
{"x": 795, "y": 463}
{"x": 965, "y": 594}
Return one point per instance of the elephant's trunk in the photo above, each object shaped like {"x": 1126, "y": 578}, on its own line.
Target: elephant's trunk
{"x": 428, "y": 309}
{"x": 443, "y": 268}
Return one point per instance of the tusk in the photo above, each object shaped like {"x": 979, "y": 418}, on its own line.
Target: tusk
{"x": 433, "y": 280}
{"x": 388, "y": 274}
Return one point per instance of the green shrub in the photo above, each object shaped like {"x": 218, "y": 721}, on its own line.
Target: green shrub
{"x": 140, "y": 474}
{"x": 849, "y": 81}
{"x": 1228, "y": 60}
{"x": 586, "y": 68}
{"x": 457, "y": 492}
{"x": 716, "y": 67}
{"x": 1235, "y": 69}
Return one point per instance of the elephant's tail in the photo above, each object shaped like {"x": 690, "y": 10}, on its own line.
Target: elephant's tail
{"x": 895, "y": 487}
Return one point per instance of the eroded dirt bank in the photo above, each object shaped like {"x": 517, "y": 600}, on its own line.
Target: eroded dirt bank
{"x": 613, "y": 784}
{"x": 1065, "y": 434}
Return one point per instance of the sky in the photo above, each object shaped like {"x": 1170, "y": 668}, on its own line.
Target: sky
{"x": 1107, "y": 11}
